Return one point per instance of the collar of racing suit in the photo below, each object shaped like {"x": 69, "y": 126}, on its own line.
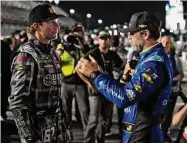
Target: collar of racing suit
{"x": 46, "y": 48}
{"x": 149, "y": 48}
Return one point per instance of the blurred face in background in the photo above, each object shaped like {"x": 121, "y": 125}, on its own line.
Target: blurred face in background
{"x": 79, "y": 30}
{"x": 87, "y": 38}
{"x": 104, "y": 43}
{"x": 167, "y": 43}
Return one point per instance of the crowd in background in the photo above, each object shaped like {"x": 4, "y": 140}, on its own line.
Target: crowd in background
{"x": 76, "y": 38}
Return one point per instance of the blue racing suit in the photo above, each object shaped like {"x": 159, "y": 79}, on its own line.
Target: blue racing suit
{"x": 143, "y": 98}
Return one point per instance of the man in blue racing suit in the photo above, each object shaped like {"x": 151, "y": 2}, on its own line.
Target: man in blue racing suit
{"x": 147, "y": 93}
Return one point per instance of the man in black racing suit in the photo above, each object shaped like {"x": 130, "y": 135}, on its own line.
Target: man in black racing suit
{"x": 36, "y": 82}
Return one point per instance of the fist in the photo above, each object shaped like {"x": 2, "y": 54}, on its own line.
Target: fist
{"x": 86, "y": 67}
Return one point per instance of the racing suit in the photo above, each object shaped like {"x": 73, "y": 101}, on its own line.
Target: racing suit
{"x": 143, "y": 98}
{"x": 35, "y": 93}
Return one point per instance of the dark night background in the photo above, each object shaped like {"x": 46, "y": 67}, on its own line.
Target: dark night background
{"x": 114, "y": 12}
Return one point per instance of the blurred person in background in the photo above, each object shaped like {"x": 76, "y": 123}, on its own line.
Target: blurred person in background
{"x": 16, "y": 37}
{"x": 178, "y": 75}
{"x": 11, "y": 41}
{"x": 36, "y": 82}
{"x": 180, "y": 119}
{"x": 116, "y": 74}
{"x": 23, "y": 37}
{"x": 73, "y": 86}
{"x": 89, "y": 41}
{"x": 114, "y": 43}
{"x": 145, "y": 96}
{"x": 122, "y": 52}
{"x": 100, "y": 108}
{"x": 5, "y": 77}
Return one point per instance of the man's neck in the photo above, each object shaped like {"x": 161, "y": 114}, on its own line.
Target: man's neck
{"x": 41, "y": 39}
{"x": 149, "y": 44}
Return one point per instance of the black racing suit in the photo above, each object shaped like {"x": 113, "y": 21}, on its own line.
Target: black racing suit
{"x": 35, "y": 92}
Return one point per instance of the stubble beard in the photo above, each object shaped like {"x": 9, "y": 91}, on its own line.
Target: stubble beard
{"x": 52, "y": 37}
{"x": 137, "y": 48}
{"x": 104, "y": 49}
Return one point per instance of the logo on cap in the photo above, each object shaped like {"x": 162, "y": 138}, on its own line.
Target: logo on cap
{"x": 142, "y": 26}
{"x": 51, "y": 10}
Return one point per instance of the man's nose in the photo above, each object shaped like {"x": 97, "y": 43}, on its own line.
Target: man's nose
{"x": 57, "y": 26}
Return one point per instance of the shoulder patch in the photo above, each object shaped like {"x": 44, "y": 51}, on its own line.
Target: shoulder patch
{"x": 21, "y": 58}
{"x": 154, "y": 58}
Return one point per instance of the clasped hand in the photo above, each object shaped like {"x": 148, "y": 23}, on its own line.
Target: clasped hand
{"x": 86, "y": 67}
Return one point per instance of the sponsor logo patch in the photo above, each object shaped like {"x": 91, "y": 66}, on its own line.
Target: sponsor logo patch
{"x": 17, "y": 113}
{"x": 52, "y": 79}
{"x": 51, "y": 10}
{"x": 138, "y": 88}
{"x": 47, "y": 80}
{"x": 112, "y": 92}
{"x": 129, "y": 128}
{"x": 20, "y": 67}
{"x": 148, "y": 70}
{"x": 164, "y": 102}
{"x": 127, "y": 110}
{"x": 147, "y": 78}
{"x": 131, "y": 95}
{"x": 154, "y": 75}
{"x": 21, "y": 58}
{"x": 36, "y": 42}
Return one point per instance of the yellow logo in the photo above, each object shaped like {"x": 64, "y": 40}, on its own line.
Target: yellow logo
{"x": 138, "y": 88}
{"x": 148, "y": 78}
{"x": 20, "y": 67}
{"x": 51, "y": 10}
{"x": 60, "y": 46}
{"x": 129, "y": 128}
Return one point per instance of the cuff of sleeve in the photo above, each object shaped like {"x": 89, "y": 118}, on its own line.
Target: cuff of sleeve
{"x": 94, "y": 75}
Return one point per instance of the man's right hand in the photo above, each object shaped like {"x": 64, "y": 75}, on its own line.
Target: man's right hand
{"x": 127, "y": 68}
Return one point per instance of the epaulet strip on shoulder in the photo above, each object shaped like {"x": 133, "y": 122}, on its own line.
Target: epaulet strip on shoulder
{"x": 28, "y": 48}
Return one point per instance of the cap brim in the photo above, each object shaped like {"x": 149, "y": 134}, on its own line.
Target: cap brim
{"x": 104, "y": 36}
{"x": 126, "y": 30}
{"x": 55, "y": 16}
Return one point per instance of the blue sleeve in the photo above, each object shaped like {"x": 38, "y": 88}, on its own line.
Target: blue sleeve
{"x": 145, "y": 81}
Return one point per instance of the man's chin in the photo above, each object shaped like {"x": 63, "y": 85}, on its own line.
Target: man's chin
{"x": 137, "y": 49}
{"x": 105, "y": 47}
{"x": 53, "y": 38}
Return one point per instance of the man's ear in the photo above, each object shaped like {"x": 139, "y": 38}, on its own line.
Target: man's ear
{"x": 145, "y": 34}
{"x": 36, "y": 26}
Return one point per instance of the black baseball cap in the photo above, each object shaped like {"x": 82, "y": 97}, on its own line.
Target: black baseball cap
{"x": 103, "y": 34}
{"x": 142, "y": 20}
{"x": 42, "y": 13}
